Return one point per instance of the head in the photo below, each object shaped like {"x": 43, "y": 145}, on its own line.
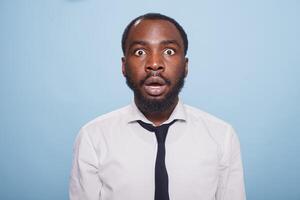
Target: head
{"x": 154, "y": 62}
{"x": 155, "y": 16}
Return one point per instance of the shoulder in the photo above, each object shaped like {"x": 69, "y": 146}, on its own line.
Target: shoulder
{"x": 94, "y": 132}
{"x": 218, "y": 129}
{"x": 103, "y": 125}
{"x": 111, "y": 118}
{"x": 197, "y": 114}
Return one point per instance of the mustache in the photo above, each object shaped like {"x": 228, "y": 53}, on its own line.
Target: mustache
{"x": 167, "y": 81}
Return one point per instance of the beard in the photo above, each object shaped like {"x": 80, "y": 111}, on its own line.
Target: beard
{"x": 149, "y": 105}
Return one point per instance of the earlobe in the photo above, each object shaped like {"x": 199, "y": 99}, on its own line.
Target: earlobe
{"x": 186, "y": 66}
{"x": 123, "y": 66}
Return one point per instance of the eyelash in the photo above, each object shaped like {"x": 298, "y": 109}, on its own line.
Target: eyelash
{"x": 173, "y": 51}
{"x": 136, "y": 50}
{"x": 144, "y": 52}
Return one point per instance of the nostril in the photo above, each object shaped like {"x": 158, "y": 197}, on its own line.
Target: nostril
{"x": 149, "y": 68}
{"x": 160, "y": 68}
{"x": 154, "y": 68}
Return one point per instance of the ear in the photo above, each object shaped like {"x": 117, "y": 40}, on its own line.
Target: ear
{"x": 123, "y": 66}
{"x": 186, "y": 66}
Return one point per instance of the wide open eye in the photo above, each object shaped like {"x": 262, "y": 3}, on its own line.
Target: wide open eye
{"x": 169, "y": 52}
{"x": 139, "y": 52}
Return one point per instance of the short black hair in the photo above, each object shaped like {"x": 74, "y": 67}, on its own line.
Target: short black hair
{"x": 155, "y": 16}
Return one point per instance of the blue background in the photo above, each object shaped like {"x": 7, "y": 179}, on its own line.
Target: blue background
{"x": 60, "y": 67}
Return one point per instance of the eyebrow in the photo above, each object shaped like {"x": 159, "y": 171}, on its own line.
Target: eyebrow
{"x": 144, "y": 43}
{"x": 166, "y": 42}
{"x": 137, "y": 42}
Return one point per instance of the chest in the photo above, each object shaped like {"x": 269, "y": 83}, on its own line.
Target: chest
{"x": 192, "y": 158}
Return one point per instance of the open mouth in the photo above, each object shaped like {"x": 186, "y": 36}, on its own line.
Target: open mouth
{"x": 155, "y": 86}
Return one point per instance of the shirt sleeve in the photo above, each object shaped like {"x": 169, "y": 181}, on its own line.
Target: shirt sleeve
{"x": 231, "y": 179}
{"x": 84, "y": 181}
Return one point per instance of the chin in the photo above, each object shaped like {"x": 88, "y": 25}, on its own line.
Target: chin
{"x": 154, "y": 104}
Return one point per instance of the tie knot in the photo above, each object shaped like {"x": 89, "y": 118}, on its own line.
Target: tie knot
{"x": 160, "y": 131}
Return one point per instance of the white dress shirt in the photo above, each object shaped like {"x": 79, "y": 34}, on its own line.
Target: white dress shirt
{"x": 114, "y": 158}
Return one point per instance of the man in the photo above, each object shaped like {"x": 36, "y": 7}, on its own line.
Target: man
{"x": 157, "y": 148}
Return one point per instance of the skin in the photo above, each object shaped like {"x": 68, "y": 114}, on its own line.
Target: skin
{"x": 154, "y": 45}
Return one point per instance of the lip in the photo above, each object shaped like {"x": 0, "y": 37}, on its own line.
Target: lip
{"x": 155, "y": 86}
{"x": 155, "y": 81}
{"x": 156, "y": 90}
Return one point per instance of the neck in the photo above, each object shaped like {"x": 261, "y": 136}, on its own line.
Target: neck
{"x": 157, "y": 118}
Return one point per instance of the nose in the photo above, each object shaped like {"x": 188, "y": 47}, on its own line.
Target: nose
{"x": 154, "y": 63}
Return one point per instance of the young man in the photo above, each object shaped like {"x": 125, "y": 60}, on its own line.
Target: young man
{"x": 157, "y": 148}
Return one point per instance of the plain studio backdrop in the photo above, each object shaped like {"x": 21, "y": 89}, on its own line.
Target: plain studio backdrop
{"x": 60, "y": 66}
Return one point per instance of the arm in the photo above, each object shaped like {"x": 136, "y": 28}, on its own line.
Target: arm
{"x": 84, "y": 181}
{"x": 231, "y": 182}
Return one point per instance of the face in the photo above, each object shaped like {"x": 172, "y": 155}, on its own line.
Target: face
{"x": 154, "y": 64}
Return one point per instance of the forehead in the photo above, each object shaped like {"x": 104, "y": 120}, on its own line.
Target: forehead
{"x": 154, "y": 31}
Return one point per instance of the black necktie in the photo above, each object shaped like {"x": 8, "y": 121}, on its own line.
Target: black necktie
{"x": 161, "y": 174}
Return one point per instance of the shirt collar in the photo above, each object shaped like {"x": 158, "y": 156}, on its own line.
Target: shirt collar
{"x": 177, "y": 114}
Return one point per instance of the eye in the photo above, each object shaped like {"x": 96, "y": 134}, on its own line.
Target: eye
{"x": 169, "y": 52}
{"x": 139, "y": 52}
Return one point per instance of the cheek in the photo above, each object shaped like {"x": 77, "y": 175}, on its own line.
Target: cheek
{"x": 175, "y": 67}
{"x": 176, "y": 61}
{"x": 135, "y": 65}
{"x": 136, "y": 72}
